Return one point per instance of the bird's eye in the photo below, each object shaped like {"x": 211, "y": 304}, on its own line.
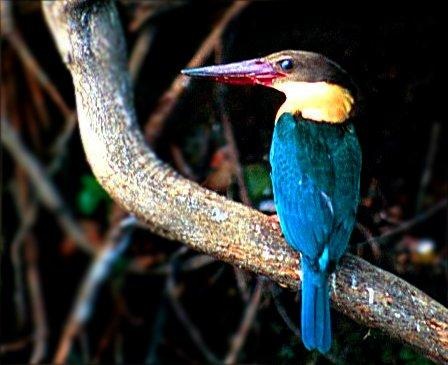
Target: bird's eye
{"x": 286, "y": 64}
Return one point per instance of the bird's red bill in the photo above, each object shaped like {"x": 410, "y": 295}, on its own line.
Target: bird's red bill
{"x": 256, "y": 71}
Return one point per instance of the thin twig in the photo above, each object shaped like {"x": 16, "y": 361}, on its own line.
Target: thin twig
{"x": 32, "y": 275}
{"x": 37, "y": 98}
{"x": 429, "y": 162}
{"x": 231, "y": 142}
{"x": 197, "y": 262}
{"x": 16, "y": 345}
{"x": 242, "y": 189}
{"x": 238, "y": 170}
{"x": 26, "y": 222}
{"x": 138, "y": 54}
{"x": 404, "y": 226}
{"x": 290, "y": 324}
{"x": 180, "y": 163}
{"x": 282, "y": 311}
{"x": 118, "y": 349}
{"x": 151, "y": 9}
{"x": 37, "y": 303}
{"x": 117, "y": 241}
{"x": 168, "y": 100}
{"x": 59, "y": 146}
{"x": 19, "y": 45}
{"x": 242, "y": 278}
{"x": 27, "y": 209}
{"x": 106, "y": 339}
{"x": 229, "y": 136}
{"x": 47, "y": 192}
{"x": 374, "y": 245}
{"x": 84, "y": 346}
{"x": 157, "y": 329}
{"x": 8, "y": 89}
{"x": 29, "y": 61}
{"x": 28, "y": 218}
{"x": 22, "y": 199}
{"x": 195, "y": 335}
{"x": 239, "y": 338}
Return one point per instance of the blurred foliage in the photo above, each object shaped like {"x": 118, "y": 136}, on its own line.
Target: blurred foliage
{"x": 91, "y": 195}
{"x": 258, "y": 182}
{"x": 410, "y": 357}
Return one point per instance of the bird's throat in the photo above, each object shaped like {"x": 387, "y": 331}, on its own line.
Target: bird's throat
{"x": 317, "y": 101}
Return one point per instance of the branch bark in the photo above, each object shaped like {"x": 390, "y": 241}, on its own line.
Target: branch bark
{"x": 90, "y": 39}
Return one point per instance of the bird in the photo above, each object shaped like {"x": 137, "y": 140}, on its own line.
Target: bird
{"x": 315, "y": 159}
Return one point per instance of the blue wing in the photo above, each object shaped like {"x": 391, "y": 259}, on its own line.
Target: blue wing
{"x": 346, "y": 157}
{"x": 303, "y": 181}
{"x": 315, "y": 177}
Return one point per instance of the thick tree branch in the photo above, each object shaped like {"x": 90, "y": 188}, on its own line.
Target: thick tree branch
{"x": 90, "y": 39}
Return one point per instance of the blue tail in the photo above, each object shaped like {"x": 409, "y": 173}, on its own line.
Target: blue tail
{"x": 316, "y": 323}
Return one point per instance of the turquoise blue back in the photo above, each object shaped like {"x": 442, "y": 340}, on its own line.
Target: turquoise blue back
{"x": 315, "y": 177}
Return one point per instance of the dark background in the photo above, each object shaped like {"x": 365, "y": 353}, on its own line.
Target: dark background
{"x": 397, "y": 63}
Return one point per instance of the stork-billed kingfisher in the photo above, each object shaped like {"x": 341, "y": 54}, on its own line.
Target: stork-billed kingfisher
{"x": 316, "y": 161}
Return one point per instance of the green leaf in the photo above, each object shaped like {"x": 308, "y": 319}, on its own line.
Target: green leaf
{"x": 258, "y": 182}
{"x": 91, "y": 195}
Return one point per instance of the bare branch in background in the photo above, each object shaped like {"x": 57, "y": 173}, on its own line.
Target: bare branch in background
{"x": 38, "y": 308}
{"x": 370, "y": 239}
{"x": 239, "y": 338}
{"x": 230, "y": 137}
{"x": 148, "y": 10}
{"x": 168, "y": 100}
{"x": 282, "y": 311}
{"x": 116, "y": 242}
{"x": 433, "y": 145}
{"x": 157, "y": 331}
{"x": 141, "y": 47}
{"x": 180, "y": 163}
{"x": 14, "y": 346}
{"x": 405, "y": 226}
{"x": 92, "y": 45}
{"x": 195, "y": 335}
{"x": 31, "y": 253}
{"x": 16, "y": 41}
{"x": 46, "y": 191}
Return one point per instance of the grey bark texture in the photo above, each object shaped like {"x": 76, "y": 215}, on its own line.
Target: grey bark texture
{"x": 90, "y": 39}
